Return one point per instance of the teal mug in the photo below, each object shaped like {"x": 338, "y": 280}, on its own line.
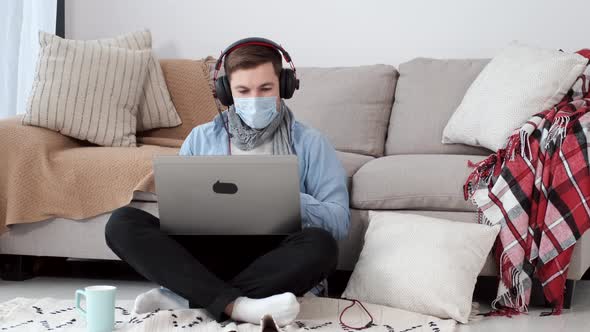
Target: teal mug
{"x": 100, "y": 307}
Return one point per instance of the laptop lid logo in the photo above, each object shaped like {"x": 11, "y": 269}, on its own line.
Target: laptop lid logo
{"x": 225, "y": 187}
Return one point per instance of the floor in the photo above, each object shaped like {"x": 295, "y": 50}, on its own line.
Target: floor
{"x": 64, "y": 288}
{"x": 575, "y": 319}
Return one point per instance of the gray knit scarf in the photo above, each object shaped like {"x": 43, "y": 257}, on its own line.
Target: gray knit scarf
{"x": 246, "y": 138}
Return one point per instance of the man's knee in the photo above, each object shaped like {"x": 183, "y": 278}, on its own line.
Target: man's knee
{"x": 322, "y": 245}
{"x": 124, "y": 220}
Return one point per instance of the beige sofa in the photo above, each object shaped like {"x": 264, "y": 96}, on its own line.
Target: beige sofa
{"x": 390, "y": 147}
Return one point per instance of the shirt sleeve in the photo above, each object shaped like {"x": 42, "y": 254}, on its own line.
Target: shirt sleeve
{"x": 325, "y": 203}
{"x": 187, "y": 147}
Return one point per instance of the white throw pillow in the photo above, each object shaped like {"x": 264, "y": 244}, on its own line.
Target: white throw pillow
{"x": 516, "y": 84}
{"x": 421, "y": 264}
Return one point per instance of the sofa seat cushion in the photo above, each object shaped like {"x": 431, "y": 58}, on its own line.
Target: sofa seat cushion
{"x": 428, "y": 182}
{"x": 145, "y": 196}
{"x": 350, "y": 105}
{"x": 352, "y": 162}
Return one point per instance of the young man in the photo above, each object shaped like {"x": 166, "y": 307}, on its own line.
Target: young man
{"x": 245, "y": 278}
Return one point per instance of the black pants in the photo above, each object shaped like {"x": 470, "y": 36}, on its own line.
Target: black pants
{"x": 212, "y": 271}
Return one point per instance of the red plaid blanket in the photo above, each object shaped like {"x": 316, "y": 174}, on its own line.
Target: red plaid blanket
{"x": 538, "y": 188}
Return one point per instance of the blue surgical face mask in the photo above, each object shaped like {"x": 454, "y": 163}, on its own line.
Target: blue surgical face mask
{"x": 256, "y": 112}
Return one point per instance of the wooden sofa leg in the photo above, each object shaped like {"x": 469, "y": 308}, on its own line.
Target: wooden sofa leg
{"x": 16, "y": 267}
{"x": 569, "y": 293}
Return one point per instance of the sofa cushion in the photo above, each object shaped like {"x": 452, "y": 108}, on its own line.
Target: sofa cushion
{"x": 429, "y": 182}
{"x": 350, "y": 105}
{"x": 428, "y": 93}
{"x": 144, "y": 196}
{"x": 351, "y": 163}
{"x": 350, "y": 248}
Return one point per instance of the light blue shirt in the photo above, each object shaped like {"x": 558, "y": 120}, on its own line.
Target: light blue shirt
{"x": 322, "y": 179}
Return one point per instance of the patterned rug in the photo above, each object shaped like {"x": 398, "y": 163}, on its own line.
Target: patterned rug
{"x": 317, "y": 314}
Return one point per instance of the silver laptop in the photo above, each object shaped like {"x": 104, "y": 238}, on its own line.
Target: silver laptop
{"x": 228, "y": 195}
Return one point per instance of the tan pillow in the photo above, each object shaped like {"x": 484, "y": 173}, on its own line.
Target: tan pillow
{"x": 156, "y": 109}
{"x": 188, "y": 83}
{"x": 87, "y": 91}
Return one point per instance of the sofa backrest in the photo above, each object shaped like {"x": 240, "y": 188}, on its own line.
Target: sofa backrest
{"x": 427, "y": 94}
{"x": 350, "y": 105}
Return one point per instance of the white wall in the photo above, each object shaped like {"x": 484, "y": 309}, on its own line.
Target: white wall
{"x": 332, "y": 33}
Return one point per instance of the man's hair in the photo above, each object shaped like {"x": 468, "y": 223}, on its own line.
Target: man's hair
{"x": 251, "y": 56}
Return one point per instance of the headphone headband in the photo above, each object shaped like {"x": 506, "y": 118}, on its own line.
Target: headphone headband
{"x": 251, "y": 41}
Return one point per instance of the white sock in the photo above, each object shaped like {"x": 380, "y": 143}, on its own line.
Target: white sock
{"x": 161, "y": 298}
{"x": 284, "y": 308}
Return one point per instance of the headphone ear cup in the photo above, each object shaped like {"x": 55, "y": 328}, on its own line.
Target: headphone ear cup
{"x": 287, "y": 83}
{"x": 227, "y": 88}
{"x": 223, "y": 91}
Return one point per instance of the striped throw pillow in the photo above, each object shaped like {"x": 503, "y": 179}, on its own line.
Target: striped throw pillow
{"x": 156, "y": 109}
{"x": 87, "y": 91}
